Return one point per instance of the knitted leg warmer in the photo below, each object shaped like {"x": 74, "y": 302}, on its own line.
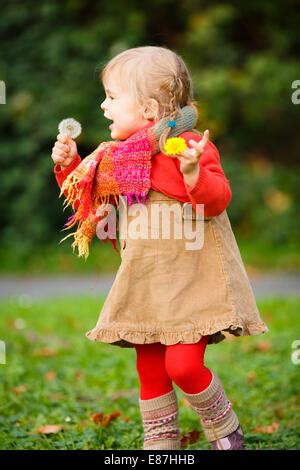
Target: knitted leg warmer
{"x": 220, "y": 423}
{"x": 160, "y": 422}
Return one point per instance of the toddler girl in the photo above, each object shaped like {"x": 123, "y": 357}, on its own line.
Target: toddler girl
{"x": 167, "y": 301}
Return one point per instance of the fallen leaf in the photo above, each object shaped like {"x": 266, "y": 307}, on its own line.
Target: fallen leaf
{"x": 20, "y": 389}
{"x": 50, "y": 375}
{"x": 263, "y": 346}
{"x": 97, "y": 418}
{"x": 108, "y": 418}
{"x": 104, "y": 420}
{"x": 45, "y": 352}
{"x": 50, "y": 429}
{"x": 189, "y": 438}
{"x": 270, "y": 429}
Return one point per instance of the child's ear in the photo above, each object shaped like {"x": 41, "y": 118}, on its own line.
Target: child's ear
{"x": 151, "y": 108}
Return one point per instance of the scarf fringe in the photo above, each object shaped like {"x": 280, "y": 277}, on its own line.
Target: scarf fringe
{"x": 70, "y": 235}
{"x": 116, "y": 200}
{"x": 81, "y": 241}
{"x": 103, "y": 201}
{"x": 70, "y": 187}
{"x": 140, "y": 197}
{"x": 75, "y": 190}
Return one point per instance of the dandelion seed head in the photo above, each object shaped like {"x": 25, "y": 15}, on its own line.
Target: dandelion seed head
{"x": 70, "y": 128}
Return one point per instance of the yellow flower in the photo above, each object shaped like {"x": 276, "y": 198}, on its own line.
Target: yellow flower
{"x": 175, "y": 146}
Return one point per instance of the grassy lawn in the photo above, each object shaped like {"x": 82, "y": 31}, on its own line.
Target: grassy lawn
{"x": 54, "y": 376}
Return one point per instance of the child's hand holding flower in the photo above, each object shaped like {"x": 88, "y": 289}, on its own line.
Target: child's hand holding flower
{"x": 64, "y": 150}
{"x": 189, "y": 157}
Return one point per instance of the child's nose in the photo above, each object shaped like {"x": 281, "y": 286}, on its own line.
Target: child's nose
{"x": 102, "y": 105}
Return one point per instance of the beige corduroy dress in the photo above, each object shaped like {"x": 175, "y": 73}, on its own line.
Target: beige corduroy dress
{"x": 164, "y": 292}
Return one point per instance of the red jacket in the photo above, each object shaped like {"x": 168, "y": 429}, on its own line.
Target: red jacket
{"x": 211, "y": 189}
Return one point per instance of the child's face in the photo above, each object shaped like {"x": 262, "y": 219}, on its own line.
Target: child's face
{"x": 120, "y": 107}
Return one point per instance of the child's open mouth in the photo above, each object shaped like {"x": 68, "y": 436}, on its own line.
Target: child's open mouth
{"x": 111, "y": 123}
{"x": 109, "y": 120}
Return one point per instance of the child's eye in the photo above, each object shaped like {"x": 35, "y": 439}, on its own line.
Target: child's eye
{"x": 110, "y": 97}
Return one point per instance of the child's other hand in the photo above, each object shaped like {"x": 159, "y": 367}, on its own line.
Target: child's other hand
{"x": 189, "y": 160}
{"x": 190, "y": 157}
{"x": 64, "y": 150}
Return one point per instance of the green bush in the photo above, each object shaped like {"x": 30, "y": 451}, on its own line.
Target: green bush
{"x": 264, "y": 203}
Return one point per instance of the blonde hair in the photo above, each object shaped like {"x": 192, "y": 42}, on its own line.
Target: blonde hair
{"x": 153, "y": 72}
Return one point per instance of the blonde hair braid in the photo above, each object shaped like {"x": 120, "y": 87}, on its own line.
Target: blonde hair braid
{"x": 172, "y": 113}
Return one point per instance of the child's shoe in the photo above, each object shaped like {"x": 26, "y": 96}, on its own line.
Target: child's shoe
{"x": 235, "y": 441}
{"x": 219, "y": 421}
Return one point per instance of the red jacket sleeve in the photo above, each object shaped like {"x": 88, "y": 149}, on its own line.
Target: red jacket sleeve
{"x": 212, "y": 187}
{"x": 62, "y": 173}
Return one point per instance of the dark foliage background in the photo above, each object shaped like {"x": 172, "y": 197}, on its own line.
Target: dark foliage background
{"x": 243, "y": 57}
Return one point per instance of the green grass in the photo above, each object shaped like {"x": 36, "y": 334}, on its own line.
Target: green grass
{"x": 259, "y": 378}
{"x": 58, "y": 259}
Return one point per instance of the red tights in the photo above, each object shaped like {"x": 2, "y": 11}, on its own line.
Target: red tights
{"x": 159, "y": 365}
